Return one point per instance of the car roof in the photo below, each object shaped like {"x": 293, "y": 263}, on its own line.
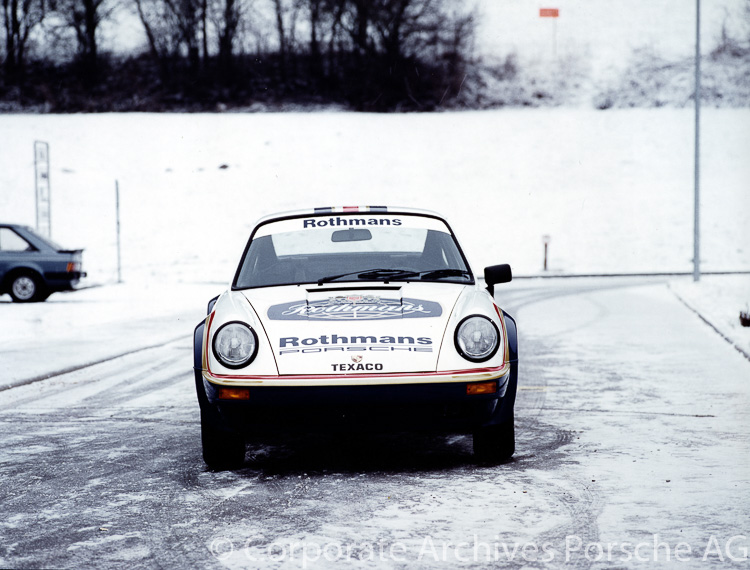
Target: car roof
{"x": 328, "y": 210}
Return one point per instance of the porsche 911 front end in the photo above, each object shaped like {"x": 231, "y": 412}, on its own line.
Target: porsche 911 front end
{"x": 355, "y": 318}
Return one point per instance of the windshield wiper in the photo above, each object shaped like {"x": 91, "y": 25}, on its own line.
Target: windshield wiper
{"x": 372, "y": 274}
{"x": 397, "y": 274}
{"x": 440, "y": 273}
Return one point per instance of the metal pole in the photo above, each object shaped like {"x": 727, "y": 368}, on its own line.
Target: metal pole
{"x": 117, "y": 216}
{"x": 554, "y": 38}
{"x": 696, "y": 206}
{"x": 36, "y": 184}
{"x": 49, "y": 196}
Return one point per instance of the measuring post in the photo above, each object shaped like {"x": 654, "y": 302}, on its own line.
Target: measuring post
{"x": 117, "y": 217}
{"x": 553, "y": 13}
{"x": 42, "y": 188}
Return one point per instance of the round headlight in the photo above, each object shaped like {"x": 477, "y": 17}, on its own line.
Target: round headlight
{"x": 477, "y": 338}
{"x": 235, "y": 344}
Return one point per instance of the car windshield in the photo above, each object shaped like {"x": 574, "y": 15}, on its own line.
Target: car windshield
{"x": 346, "y": 248}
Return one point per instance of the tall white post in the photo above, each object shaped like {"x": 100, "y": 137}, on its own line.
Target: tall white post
{"x": 696, "y": 206}
{"x": 42, "y": 188}
{"x": 117, "y": 216}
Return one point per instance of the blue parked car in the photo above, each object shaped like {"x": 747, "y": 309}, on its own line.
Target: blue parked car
{"x": 33, "y": 267}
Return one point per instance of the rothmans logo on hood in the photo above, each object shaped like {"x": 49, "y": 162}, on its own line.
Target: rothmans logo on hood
{"x": 359, "y": 309}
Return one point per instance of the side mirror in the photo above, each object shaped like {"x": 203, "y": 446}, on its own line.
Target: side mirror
{"x": 495, "y": 274}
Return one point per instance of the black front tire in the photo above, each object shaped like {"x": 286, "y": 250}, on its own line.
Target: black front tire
{"x": 221, "y": 449}
{"x": 495, "y": 443}
{"x": 27, "y": 288}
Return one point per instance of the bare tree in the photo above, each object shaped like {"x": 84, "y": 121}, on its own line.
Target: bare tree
{"x": 227, "y": 17}
{"x": 392, "y": 19}
{"x": 280, "y": 10}
{"x": 84, "y": 18}
{"x": 323, "y": 25}
{"x": 187, "y": 14}
{"x": 286, "y": 14}
{"x": 171, "y": 26}
{"x": 314, "y": 8}
{"x": 356, "y": 21}
{"x": 20, "y": 17}
{"x": 163, "y": 40}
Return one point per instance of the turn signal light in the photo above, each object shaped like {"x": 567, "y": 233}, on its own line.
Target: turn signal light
{"x": 481, "y": 388}
{"x": 234, "y": 394}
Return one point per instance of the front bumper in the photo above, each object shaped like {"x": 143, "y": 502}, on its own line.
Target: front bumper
{"x": 442, "y": 406}
{"x": 379, "y": 379}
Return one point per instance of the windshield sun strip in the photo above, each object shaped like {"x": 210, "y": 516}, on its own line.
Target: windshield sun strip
{"x": 470, "y": 275}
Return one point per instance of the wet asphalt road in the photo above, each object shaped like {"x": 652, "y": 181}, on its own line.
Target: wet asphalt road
{"x": 633, "y": 445}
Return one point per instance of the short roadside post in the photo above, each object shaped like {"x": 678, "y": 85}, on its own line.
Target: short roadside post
{"x": 545, "y": 240}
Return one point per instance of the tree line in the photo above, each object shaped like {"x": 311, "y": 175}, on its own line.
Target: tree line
{"x": 365, "y": 54}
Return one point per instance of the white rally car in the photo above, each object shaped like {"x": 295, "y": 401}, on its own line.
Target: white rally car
{"x": 356, "y": 317}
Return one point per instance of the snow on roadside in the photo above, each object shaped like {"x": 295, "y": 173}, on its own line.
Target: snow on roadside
{"x": 90, "y": 325}
{"x": 719, "y": 300}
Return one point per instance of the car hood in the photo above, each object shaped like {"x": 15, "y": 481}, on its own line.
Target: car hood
{"x": 355, "y": 329}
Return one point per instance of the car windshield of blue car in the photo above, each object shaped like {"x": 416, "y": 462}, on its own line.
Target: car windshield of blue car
{"x": 350, "y": 248}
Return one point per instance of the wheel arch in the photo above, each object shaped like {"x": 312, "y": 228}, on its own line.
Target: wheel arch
{"x": 509, "y": 400}
{"x": 21, "y": 270}
{"x": 512, "y": 330}
{"x": 198, "y": 333}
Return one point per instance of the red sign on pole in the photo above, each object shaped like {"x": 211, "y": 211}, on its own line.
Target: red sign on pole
{"x": 549, "y": 12}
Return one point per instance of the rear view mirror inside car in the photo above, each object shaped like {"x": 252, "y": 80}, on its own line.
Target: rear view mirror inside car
{"x": 351, "y": 235}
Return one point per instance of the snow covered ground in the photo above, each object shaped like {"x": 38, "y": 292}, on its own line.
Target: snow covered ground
{"x": 615, "y": 53}
{"x": 613, "y": 190}
{"x": 632, "y": 428}
{"x": 719, "y": 300}
{"x": 76, "y": 329}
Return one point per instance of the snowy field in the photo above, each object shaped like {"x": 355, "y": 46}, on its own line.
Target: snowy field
{"x": 613, "y": 190}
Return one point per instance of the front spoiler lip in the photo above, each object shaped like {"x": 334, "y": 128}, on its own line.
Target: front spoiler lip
{"x": 448, "y": 376}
